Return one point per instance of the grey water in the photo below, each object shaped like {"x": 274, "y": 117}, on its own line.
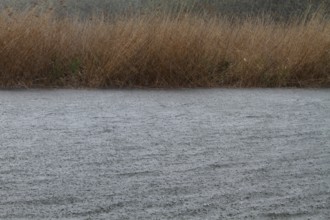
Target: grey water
{"x": 165, "y": 154}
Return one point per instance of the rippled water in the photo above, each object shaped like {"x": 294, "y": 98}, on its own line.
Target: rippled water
{"x": 181, "y": 154}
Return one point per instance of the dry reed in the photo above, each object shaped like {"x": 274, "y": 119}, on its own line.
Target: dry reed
{"x": 159, "y": 50}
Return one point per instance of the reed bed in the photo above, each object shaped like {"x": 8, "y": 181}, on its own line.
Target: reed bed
{"x": 159, "y": 50}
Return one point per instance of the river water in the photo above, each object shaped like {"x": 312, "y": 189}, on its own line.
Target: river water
{"x": 165, "y": 154}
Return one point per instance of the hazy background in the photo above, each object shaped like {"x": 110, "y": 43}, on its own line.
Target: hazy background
{"x": 279, "y": 9}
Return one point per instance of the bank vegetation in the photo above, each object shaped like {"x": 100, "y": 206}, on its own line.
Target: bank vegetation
{"x": 160, "y": 49}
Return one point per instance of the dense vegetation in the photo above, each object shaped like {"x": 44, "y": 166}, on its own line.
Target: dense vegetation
{"x": 145, "y": 43}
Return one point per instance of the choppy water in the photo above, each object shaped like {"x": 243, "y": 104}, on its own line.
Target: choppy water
{"x": 185, "y": 154}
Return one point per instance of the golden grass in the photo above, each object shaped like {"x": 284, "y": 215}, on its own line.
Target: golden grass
{"x": 39, "y": 50}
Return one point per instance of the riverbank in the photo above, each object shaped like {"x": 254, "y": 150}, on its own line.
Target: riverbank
{"x": 160, "y": 50}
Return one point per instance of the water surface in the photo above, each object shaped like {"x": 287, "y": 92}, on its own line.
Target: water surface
{"x": 181, "y": 154}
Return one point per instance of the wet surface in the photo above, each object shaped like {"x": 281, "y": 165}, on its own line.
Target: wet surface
{"x": 187, "y": 154}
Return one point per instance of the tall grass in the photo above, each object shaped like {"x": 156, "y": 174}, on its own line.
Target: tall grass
{"x": 38, "y": 49}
